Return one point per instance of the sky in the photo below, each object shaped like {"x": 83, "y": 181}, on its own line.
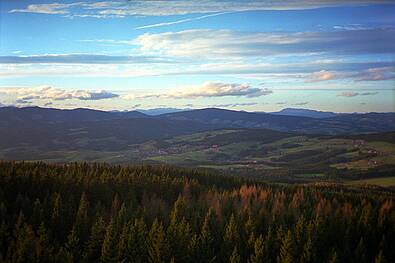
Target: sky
{"x": 252, "y": 55}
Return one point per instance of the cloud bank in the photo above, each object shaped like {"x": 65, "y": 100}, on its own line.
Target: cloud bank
{"x": 371, "y": 74}
{"x": 50, "y": 93}
{"x": 209, "y": 43}
{"x": 208, "y": 89}
{"x": 105, "y": 9}
{"x": 80, "y": 59}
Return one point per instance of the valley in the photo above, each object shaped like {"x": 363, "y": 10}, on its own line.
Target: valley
{"x": 198, "y": 139}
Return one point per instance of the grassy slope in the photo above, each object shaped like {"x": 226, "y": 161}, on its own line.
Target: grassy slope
{"x": 380, "y": 181}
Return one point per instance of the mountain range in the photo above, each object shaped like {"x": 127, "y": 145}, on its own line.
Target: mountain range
{"x": 287, "y": 120}
{"x": 212, "y": 137}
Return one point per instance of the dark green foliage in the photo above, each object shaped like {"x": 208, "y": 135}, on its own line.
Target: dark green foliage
{"x": 100, "y": 213}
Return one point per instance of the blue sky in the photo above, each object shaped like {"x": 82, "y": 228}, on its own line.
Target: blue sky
{"x": 245, "y": 55}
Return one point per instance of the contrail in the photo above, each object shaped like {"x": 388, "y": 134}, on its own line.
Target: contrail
{"x": 181, "y": 21}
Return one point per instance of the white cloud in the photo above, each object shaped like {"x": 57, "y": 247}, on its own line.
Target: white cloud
{"x": 214, "y": 44}
{"x": 103, "y": 9}
{"x": 208, "y": 89}
{"x": 371, "y": 74}
{"x": 324, "y": 75}
{"x": 375, "y": 74}
{"x": 80, "y": 59}
{"x": 52, "y": 9}
{"x": 49, "y": 93}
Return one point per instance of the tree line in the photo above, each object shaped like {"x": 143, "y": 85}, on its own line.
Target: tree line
{"x": 100, "y": 213}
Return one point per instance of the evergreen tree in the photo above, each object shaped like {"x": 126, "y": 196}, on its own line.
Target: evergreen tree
{"x": 123, "y": 244}
{"x": 81, "y": 221}
{"x": 137, "y": 242}
{"x": 24, "y": 243}
{"x": 43, "y": 247}
{"x": 234, "y": 257}
{"x": 307, "y": 253}
{"x": 93, "y": 246}
{"x": 286, "y": 249}
{"x": 73, "y": 245}
{"x": 257, "y": 256}
{"x": 158, "y": 248}
{"x": 108, "y": 250}
{"x": 206, "y": 239}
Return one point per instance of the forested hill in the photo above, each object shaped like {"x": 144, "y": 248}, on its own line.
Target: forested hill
{"x": 101, "y": 213}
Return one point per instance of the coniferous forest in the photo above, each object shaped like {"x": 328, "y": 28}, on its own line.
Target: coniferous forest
{"x": 100, "y": 213}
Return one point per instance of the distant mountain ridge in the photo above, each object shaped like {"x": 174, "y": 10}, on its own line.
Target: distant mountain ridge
{"x": 340, "y": 124}
{"x": 306, "y": 113}
{"x": 61, "y": 115}
{"x": 31, "y": 118}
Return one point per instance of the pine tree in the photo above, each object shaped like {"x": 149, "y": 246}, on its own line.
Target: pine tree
{"x": 179, "y": 236}
{"x": 73, "y": 245}
{"x": 257, "y": 256}
{"x": 43, "y": 247}
{"x": 137, "y": 242}
{"x": 93, "y": 246}
{"x": 235, "y": 257}
{"x": 123, "y": 244}
{"x": 81, "y": 221}
{"x": 307, "y": 253}
{"x": 158, "y": 248}
{"x": 286, "y": 249}
{"x": 206, "y": 239}
{"x": 108, "y": 250}
{"x": 24, "y": 242}
{"x": 231, "y": 237}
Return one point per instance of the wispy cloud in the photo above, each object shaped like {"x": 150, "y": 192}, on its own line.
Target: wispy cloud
{"x": 81, "y": 59}
{"x": 210, "y": 43}
{"x": 354, "y": 94}
{"x": 233, "y": 105}
{"x": 180, "y": 21}
{"x": 208, "y": 89}
{"x": 370, "y": 74}
{"x": 50, "y": 93}
{"x": 103, "y": 9}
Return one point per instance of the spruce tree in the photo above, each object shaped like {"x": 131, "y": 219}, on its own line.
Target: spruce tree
{"x": 108, "y": 250}
{"x": 72, "y": 245}
{"x": 235, "y": 257}
{"x": 286, "y": 249}
{"x": 158, "y": 248}
{"x": 137, "y": 242}
{"x": 258, "y": 256}
{"x": 93, "y": 246}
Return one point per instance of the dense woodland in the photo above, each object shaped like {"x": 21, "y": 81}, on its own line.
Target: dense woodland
{"x": 100, "y": 213}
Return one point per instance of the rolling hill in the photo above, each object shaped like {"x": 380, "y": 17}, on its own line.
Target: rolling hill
{"x": 342, "y": 124}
